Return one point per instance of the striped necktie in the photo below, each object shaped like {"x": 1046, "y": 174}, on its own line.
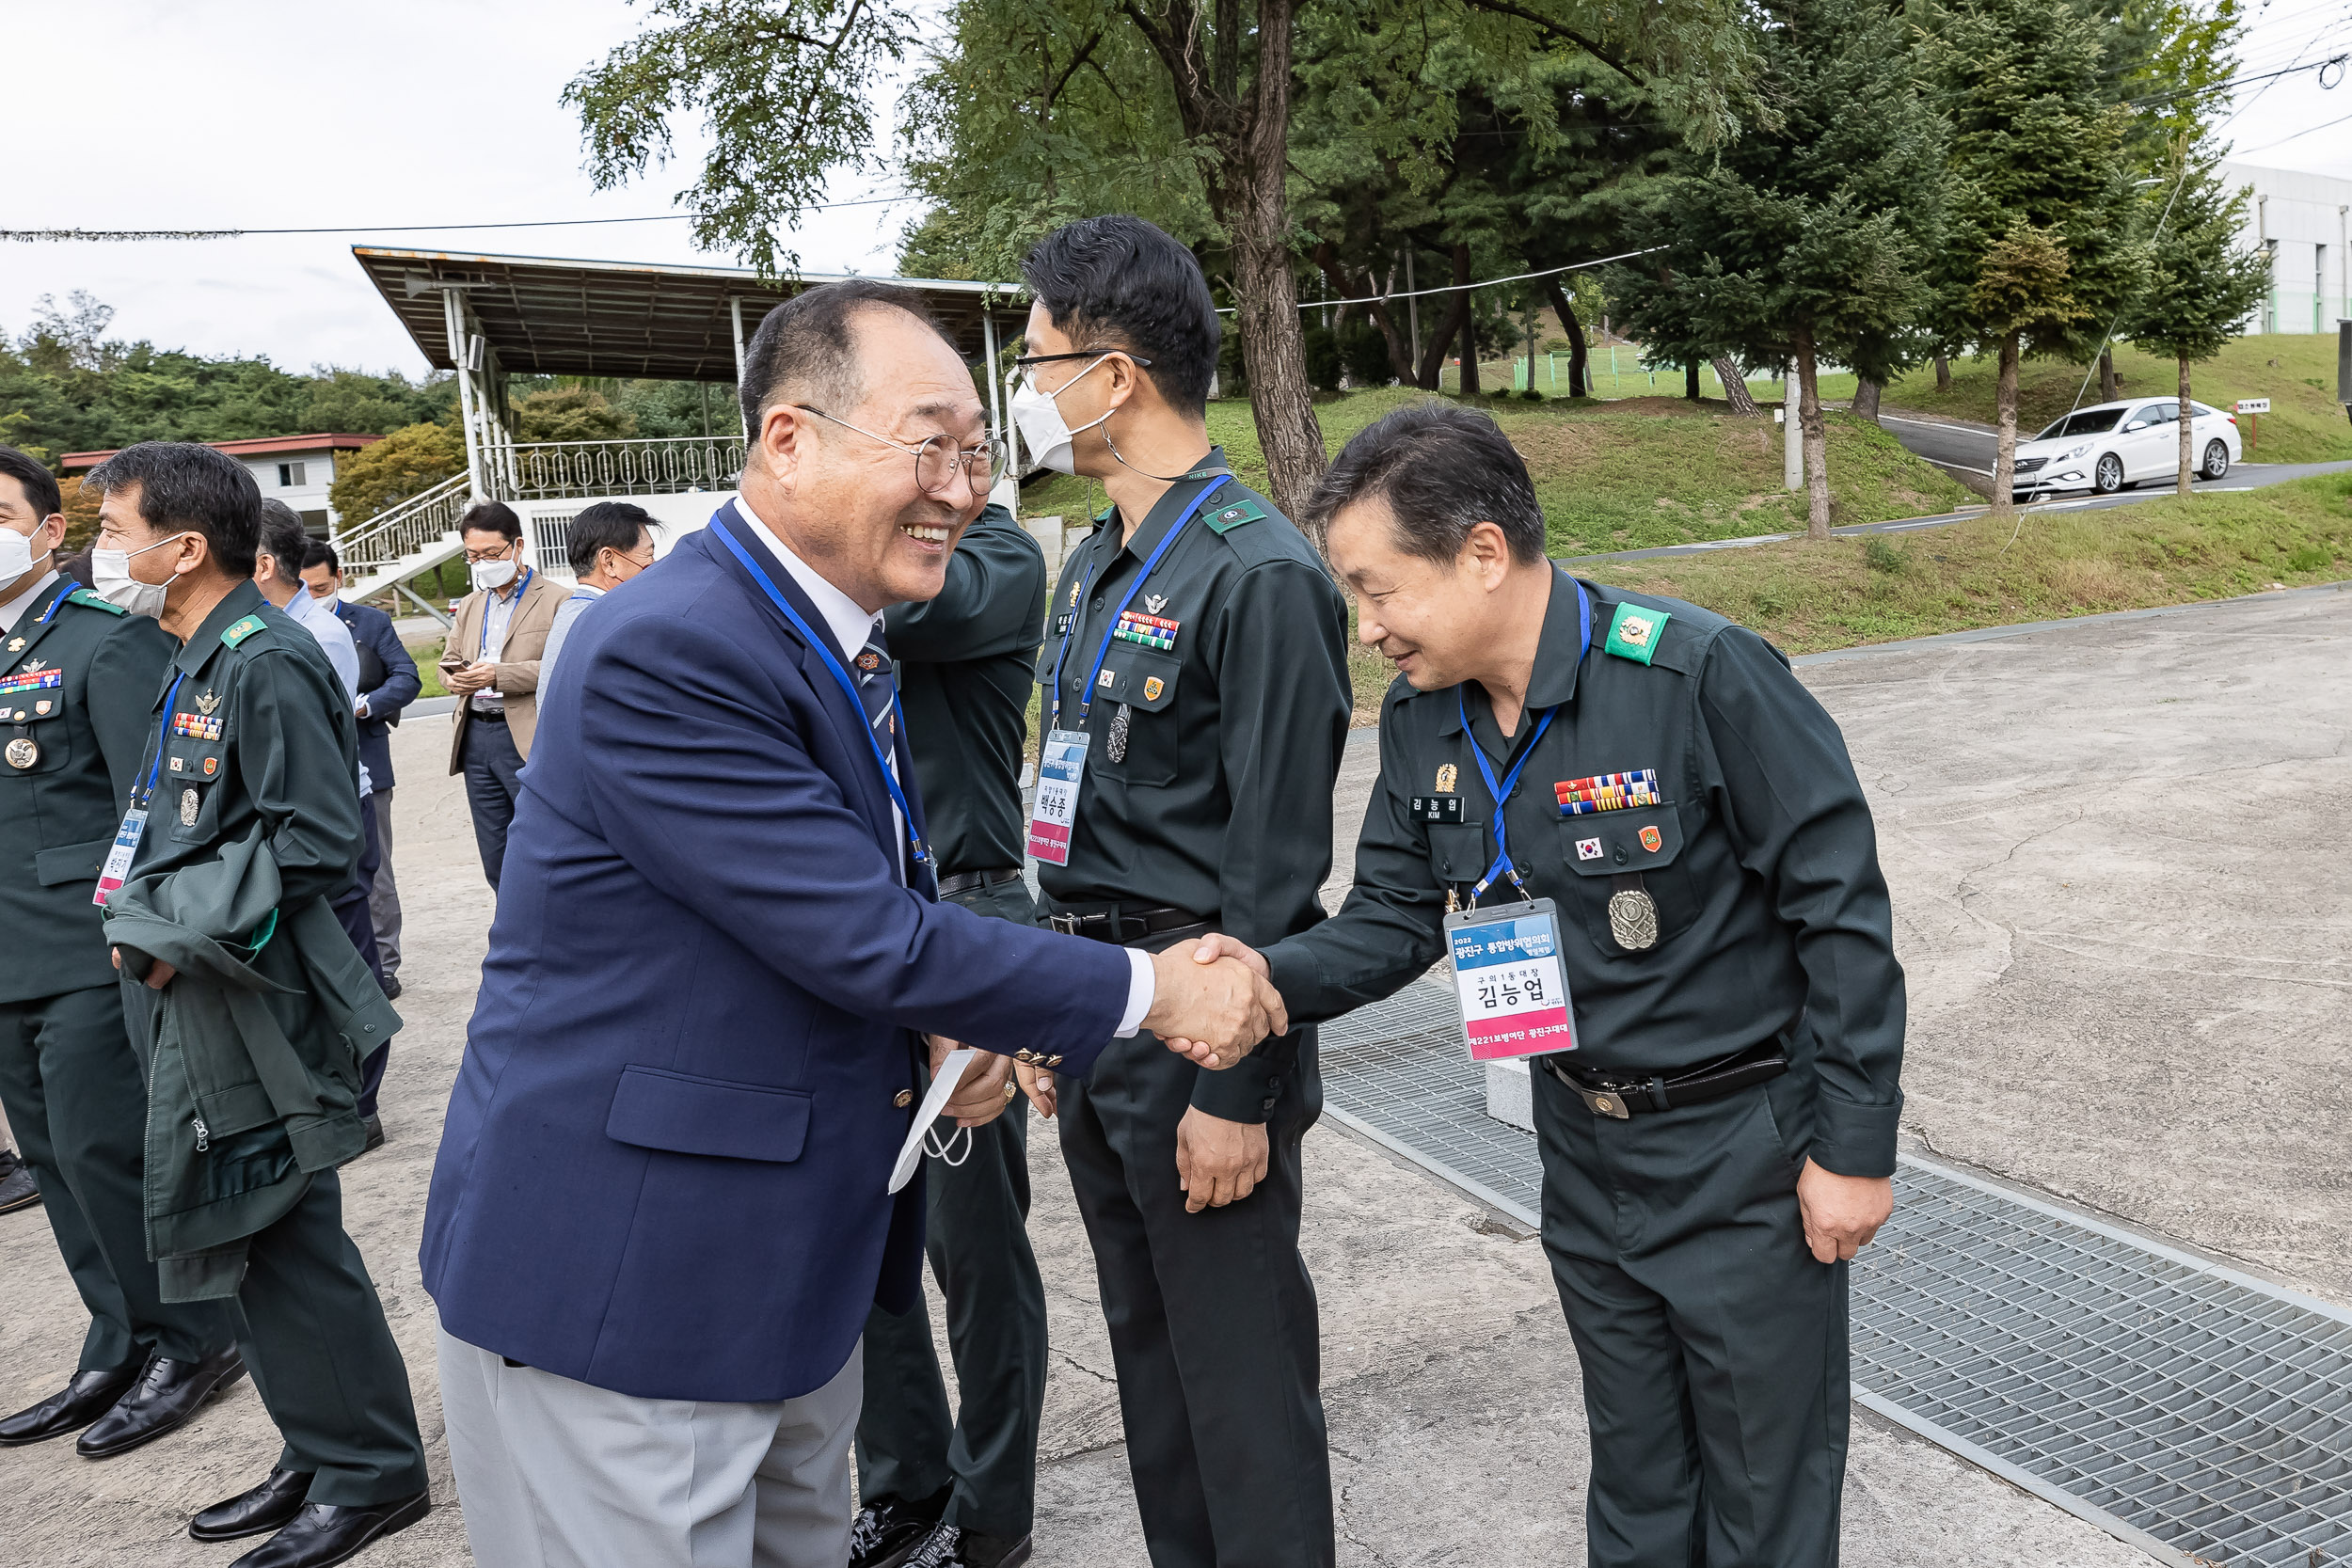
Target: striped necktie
{"x": 875, "y": 685}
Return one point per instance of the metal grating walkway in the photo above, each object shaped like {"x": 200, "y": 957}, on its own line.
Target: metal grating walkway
{"x": 2200, "y": 1414}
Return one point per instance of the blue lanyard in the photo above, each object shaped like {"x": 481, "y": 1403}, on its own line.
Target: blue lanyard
{"x": 1111, "y": 627}
{"x": 918, "y": 854}
{"x": 163, "y": 736}
{"x": 50, "y": 615}
{"x": 1500, "y": 792}
{"x": 481, "y": 644}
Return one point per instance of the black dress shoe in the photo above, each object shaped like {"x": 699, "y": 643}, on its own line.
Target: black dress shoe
{"x": 948, "y": 1546}
{"x": 255, "y": 1513}
{"x": 18, "y": 1189}
{"x": 392, "y": 987}
{"x": 164, "y": 1399}
{"x": 887, "y": 1532}
{"x": 322, "y": 1534}
{"x": 88, "y": 1396}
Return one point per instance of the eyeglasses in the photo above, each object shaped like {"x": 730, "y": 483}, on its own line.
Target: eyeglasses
{"x": 475, "y": 557}
{"x": 1027, "y": 361}
{"x": 937, "y": 458}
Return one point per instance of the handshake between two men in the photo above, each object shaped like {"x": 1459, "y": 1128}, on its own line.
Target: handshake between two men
{"x": 1212, "y": 1003}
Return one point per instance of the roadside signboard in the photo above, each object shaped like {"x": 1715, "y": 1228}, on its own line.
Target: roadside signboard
{"x": 2254, "y": 406}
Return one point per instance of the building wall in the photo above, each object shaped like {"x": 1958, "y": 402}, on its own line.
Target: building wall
{"x": 314, "y": 469}
{"x": 2305, "y": 222}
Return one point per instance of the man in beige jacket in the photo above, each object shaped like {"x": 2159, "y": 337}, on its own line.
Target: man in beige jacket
{"x": 491, "y": 665}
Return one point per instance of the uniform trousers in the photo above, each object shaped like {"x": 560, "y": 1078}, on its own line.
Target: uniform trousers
{"x": 384, "y": 890}
{"x": 1212, "y": 1316}
{"x": 78, "y": 1102}
{"x": 558, "y": 1474}
{"x": 492, "y": 767}
{"x": 312, "y": 1332}
{"x": 352, "y": 908}
{"x": 1713, "y": 1343}
{"x": 978, "y": 1212}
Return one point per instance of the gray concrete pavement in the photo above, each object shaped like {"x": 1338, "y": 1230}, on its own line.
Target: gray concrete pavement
{"x": 2117, "y": 851}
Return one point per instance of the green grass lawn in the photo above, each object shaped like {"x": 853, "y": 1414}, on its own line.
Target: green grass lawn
{"x": 1806, "y": 596}
{"x": 1625, "y": 475}
{"x": 2297, "y": 371}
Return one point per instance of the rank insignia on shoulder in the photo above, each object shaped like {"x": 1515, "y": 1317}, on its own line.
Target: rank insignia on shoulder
{"x": 1633, "y": 632}
{"x": 1447, "y": 775}
{"x": 85, "y": 598}
{"x": 238, "y": 631}
{"x": 1225, "y": 519}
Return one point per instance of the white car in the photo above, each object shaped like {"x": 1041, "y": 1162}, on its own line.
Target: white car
{"x": 2116, "y": 445}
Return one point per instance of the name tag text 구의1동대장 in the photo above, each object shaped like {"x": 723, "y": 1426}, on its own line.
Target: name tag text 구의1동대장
{"x": 1508, "y": 980}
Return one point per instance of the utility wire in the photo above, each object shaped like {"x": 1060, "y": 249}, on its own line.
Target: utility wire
{"x": 40, "y": 235}
{"x": 2244, "y": 151}
{"x": 1457, "y": 288}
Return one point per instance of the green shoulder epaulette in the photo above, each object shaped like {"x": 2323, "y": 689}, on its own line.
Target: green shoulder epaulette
{"x": 1633, "y": 632}
{"x": 240, "y": 630}
{"x": 1227, "y": 518}
{"x": 84, "y": 596}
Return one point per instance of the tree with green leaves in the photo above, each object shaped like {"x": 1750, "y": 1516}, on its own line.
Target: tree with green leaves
{"x": 406, "y": 463}
{"x": 2201, "y": 283}
{"x": 1808, "y": 236}
{"x": 2041, "y": 250}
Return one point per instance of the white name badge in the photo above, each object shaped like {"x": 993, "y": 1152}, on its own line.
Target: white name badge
{"x": 1509, "y": 982}
{"x": 1061, "y": 764}
{"x": 119, "y": 859}
{"x": 944, "y": 1083}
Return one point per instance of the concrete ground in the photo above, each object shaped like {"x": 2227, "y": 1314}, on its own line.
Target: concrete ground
{"x": 2117, "y": 854}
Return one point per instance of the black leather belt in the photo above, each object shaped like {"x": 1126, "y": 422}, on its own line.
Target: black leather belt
{"x": 1123, "y": 923}
{"x": 965, "y": 882}
{"x": 484, "y": 716}
{"x": 1613, "y": 1094}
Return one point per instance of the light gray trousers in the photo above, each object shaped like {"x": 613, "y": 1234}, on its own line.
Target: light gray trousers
{"x": 557, "y": 1474}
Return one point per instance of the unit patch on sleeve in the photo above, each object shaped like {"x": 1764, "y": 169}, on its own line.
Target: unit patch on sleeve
{"x": 1633, "y": 632}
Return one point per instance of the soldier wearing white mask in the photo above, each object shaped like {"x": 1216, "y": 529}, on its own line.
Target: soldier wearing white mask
{"x": 491, "y": 663}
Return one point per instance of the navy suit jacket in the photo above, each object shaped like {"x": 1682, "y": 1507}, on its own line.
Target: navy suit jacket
{"x": 371, "y": 628}
{"x": 664, "y": 1166}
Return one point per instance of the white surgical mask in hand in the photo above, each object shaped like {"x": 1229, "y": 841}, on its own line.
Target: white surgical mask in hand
{"x": 114, "y": 583}
{"x": 490, "y": 574}
{"x": 1044, "y": 431}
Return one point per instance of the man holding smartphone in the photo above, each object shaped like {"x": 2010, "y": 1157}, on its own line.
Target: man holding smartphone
{"x": 491, "y": 664}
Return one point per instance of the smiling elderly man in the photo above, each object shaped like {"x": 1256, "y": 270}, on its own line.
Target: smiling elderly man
{"x": 661, "y": 1211}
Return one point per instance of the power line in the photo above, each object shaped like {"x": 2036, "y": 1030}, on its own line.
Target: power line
{"x": 2245, "y": 152}
{"x": 1457, "y": 288}
{"x": 32, "y": 236}
{"x": 2234, "y": 82}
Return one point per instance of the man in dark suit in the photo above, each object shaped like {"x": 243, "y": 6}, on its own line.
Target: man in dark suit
{"x": 661, "y": 1211}
{"x": 388, "y": 683}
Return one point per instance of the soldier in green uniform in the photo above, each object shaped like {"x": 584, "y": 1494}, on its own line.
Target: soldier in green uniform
{"x": 249, "y": 1005}
{"x": 1197, "y": 705}
{"x": 77, "y": 678}
{"x": 1718, "y": 1140}
{"x": 938, "y": 1493}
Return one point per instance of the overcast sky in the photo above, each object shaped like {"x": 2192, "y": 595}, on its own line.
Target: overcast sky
{"x": 253, "y": 114}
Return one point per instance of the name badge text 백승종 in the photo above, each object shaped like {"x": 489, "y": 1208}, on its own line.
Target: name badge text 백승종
{"x": 1508, "y": 980}
{"x": 1061, "y": 766}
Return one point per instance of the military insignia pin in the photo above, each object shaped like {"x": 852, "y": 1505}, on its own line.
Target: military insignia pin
{"x": 23, "y": 753}
{"x": 212, "y": 766}
{"x": 34, "y": 667}
{"x": 1633, "y": 919}
{"x": 178, "y": 765}
{"x": 1447, "y": 776}
{"x": 206, "y": 704}
{"x": 1151, "y": 689}
{"x": 16, "y": 644}
{"x": 869, "y": 661}
{"x": 190, "y": 802}
{"x": 1588, "y": 848}
{"x": 1634, "y": 630}
{"x": 43, "y": 705}
{"x": 1115, "y": 746}
{"x": 1154, "y": 603}
{"x": 1108, "y": 680}
{"x": 1653, "y": 840}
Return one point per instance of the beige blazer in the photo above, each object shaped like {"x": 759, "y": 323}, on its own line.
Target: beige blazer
{"x": 518, "y": 677}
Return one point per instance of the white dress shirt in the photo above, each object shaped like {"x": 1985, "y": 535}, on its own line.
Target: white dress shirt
{"x": 317, "y": 617}
{"x": 850, "y": 625}
{"x": 15, "y": 609}
{"x": 498, "y": 613}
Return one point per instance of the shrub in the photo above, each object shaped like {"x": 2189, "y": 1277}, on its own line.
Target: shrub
{"x": 1325, "y": 364}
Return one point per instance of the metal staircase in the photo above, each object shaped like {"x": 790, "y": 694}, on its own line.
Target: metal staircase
{"x": 395, "y": 545}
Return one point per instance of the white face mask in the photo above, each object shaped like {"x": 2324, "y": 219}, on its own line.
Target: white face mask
{"x": 16, "y": 554}
{"x": 489, "y": 575}
{"x": 117, "y": 587}
{"x": 1043, "y": 429}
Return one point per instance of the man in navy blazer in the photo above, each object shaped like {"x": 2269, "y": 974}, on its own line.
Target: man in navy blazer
{"x": 388, "y": 684}
{"x": 660, "y": 1213}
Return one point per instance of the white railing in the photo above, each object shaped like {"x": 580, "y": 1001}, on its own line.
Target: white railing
{"x": 545, "y": 470}
{"x": 404, "y": 529}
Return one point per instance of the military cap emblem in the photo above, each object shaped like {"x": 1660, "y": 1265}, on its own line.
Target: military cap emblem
{"x": 1447, "y": 775}
{"x": 1633, "y": 919}
{"x": 190, "y": 802}
{"x": 23, "y": 753}
{"x": 206, "y": 704}
{"x": 1653, "y": 840}
{"x": 1151, "y": 689}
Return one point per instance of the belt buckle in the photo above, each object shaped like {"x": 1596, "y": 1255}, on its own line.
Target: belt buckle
{"x": 1602, "y": 1102}
{"x": 1066, "y": 924}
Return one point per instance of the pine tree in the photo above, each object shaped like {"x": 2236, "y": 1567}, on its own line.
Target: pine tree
{"x": 2041, "y": 252}
{"x": 2201, "y": 285}
{"x": 1811, "y": 235}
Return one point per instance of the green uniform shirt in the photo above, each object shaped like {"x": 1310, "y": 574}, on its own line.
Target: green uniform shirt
{"x": 261, "y": 729}
{"x": 68, "y": 751}
{"x": 964, "y": 682}
{"x": 1759, "y": 857}
{"x": 1217, "y": 799}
